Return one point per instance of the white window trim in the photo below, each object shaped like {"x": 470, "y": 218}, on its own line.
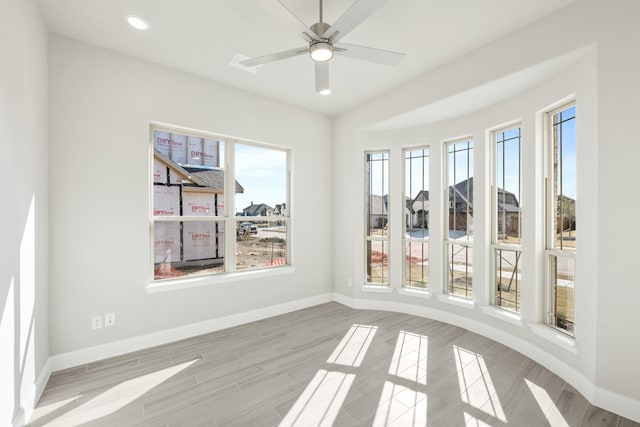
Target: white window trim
{"x": 495, "y": 245}
{"x": 370, "y": 286}
{"x": 503, "y": 314}
{"x": 376, "y": 289}
{"x": 555, "y": 336}
{"x": 415, "y": 292}
{"x": 216, "y": 279}
{"x": 405, "y": 240}
{"x": 549, "y": 204}
{"x": 230, "y": 221}
{"x": 445, "y": 206}
{"x": 457, "y": 301}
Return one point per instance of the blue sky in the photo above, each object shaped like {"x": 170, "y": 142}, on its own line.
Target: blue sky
{"x": 262, "y": 172}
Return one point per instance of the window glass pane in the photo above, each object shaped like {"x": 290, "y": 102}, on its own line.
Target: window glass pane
{"x": 417, "y": 193}
{"x": 563, "y": 282}
{"x": 166, "y": 200}
{"x": 460, "y": 190}
{"x": 188, "y": 248}
{"x": 508, "y": 279}
{"x": 460, "y": 270}
{"x": 416, "y": 264}
{"x": 377, "y": 182}
{"x": 564, "y": 180}
{"x": 377, "y": 262}
{"x": 261, "y": 243}
{"x": 261, "y": 180}
{"x": 416, "y": 220}
{"x": 507, "y": 207}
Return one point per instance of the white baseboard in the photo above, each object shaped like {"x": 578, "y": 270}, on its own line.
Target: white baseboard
{"x": 622, "y": 405}
{"x": 33, "y": 396}
{"x": 617, "y": 403}
{"x": 117, "y": 348}
{"x": 19, "y": 420}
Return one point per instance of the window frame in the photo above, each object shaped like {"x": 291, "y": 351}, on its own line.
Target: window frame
{"x": 550, "y": 206}
{"x": 495, "y": 245}
{"x": 407, "y": 240}
{"x": 447, "y": 242}
{"x": 229, "y": 219}
{"x": 385, "y": 238}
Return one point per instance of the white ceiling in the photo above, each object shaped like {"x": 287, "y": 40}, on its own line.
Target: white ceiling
{"x": 202, "y": 36}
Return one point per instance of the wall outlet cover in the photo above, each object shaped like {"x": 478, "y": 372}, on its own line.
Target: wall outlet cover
{"x": 109, "y": 319}
{"x": 96, "y": 322}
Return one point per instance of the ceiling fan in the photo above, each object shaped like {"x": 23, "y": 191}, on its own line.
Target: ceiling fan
{"x": 323, "y": 42}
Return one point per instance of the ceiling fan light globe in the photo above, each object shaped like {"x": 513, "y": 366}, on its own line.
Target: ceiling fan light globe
{"x": 321, "y": 51}
{"x": 325, "y": 92}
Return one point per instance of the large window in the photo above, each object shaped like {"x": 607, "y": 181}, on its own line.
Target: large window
{"x": 458, "y": 213}
{"x": 195, "y": 197}
{"x": 561, "y": 192}
{"x": 506, "y": 218}
{"x": 416, "y": 218}
{"x": 377, "y": 217}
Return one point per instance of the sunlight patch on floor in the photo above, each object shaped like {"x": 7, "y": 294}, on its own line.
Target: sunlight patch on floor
{"x": 471, "y": 421}
{"x": 548, "y": 408}
{"x": 476, "y": 386}
{"x": 354, "y": 345}
{"x": 44, "y": 410}
{"x": 409, "y": 359}
{"x": 321, "y": 401}
{"x": 118, "y": 397}
{"x": 400, "y": 406}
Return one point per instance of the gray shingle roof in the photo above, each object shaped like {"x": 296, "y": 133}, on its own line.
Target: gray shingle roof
{"x": 213, "y": 178}
{"x": 257, "y": 209}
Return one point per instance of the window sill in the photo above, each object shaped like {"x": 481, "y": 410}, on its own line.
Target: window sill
{"x": 196, "y": 282}
{"x": 556, "y": 337}
{"x": 460, "y": 302}
{"x": 505, "y": 315}
{"x": 379, "y": 289}
{"x": 415, "y": 293}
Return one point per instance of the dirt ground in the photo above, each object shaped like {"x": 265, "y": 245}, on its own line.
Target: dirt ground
{"x": 256, "y": 252}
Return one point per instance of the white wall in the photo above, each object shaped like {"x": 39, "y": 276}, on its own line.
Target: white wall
{"x": 100, "y": 107}
{"x": 601, "y": 42}
{"x": 24, "y": 343}
{"x": 619, "y": 234}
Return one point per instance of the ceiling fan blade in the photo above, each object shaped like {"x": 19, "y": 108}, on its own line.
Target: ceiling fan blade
{"x": 358, "y": 12}
{"x": 272, "y": 57}
{"x": 322, "y": 77}
{"x": 380, "y": 56}
{"x": 284, "y": 14}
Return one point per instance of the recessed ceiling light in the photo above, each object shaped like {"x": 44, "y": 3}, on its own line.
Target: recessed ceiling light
{"x": 137, "y": 22}
{"x": 325, "y": 92}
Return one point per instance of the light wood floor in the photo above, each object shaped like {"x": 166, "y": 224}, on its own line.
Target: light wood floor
{"x": 325, "y": 365}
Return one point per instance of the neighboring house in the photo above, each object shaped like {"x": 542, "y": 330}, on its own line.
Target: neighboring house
{"x": 508, "y": 213}
{"x": 259, "y": 209}
{"x": 408, "y": 212}
{"x": 420, "y": 210}
{"x": 187, "y": 191}
{"x": 378, "y": 213}
{"x": 566, "y": 214}
{"x": 280, "y": 209}
{"x": 461, "y": 209}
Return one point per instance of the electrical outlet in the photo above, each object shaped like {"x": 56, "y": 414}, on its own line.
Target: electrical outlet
{"x": 96, "y": 322}
{"x": 109, "y": 319}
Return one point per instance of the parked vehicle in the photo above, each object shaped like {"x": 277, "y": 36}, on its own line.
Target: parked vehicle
{"x": 248, "y": 227}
